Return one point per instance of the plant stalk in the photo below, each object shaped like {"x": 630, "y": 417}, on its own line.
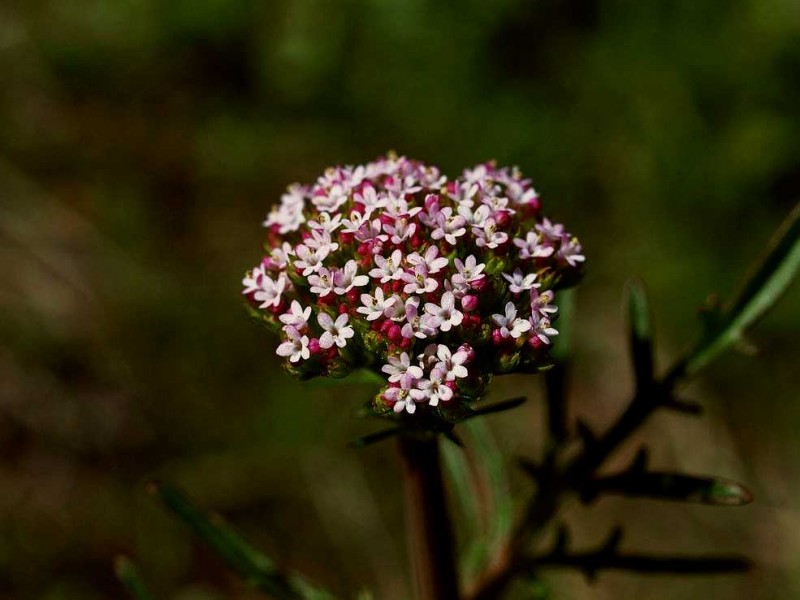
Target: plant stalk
{"x": 430, "y": 532}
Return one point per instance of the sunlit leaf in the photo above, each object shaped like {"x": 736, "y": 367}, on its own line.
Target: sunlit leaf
{"x": 770, "y": 279}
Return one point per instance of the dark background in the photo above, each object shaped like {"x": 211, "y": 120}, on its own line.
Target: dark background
{"x": 142, "y": 143}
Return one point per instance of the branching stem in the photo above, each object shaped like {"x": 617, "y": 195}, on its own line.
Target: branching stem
{"x": 557, "y": 485}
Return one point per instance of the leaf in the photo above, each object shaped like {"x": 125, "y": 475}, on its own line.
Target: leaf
{"x": 767, "y": 283}
{"x": 496, "y": 407}
{"x": 253, "y": 566}
{"x": 562, "y": 349}
{"x": 357, "y": 377}
{"x": 479, "y": 477}
{"x": 640, "y": 335}
{"x": 378, "y": 436}
{"x": 129, "y": 576}
{"x": 672, "y": 486}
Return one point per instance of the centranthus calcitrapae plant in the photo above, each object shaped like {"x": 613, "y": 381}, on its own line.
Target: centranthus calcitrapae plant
{"x": 431, "y": 286}
{"x": 435, "y": 283}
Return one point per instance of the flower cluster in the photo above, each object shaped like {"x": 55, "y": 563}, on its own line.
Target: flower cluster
{"x": 435, "y": 283}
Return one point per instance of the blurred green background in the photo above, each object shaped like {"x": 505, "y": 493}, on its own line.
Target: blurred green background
{"x": 142, "y": 143}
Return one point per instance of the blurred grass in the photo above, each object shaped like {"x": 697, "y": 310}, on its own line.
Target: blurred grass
{"x": 141, "y": 143}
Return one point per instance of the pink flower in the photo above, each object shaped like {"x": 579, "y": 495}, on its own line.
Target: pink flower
{"x": 295, "y": 347}
{"x": 510, "y": 325}
{"x": 399, "y": 366}
{"x": 519, "y": 283}
{"x": 446, "y": 315}
{"x": 346, "y": 279}
{"x": 375, "y": 306}
{"x": 396, "y": 264}
{"x": 434, "y": 388}
{"x": 449, "y": 226}
{"x": 418, "y": 281}
{"x": 406, "y": 396}
{"x": 336, "y": 332}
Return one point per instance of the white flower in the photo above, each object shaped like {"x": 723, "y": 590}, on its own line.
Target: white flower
{"x": 571, "y": 251}
{"x": 288, "y": 216}
{"x": 310, "y": 261}
{"x": 375, "y": 306}
{"x": 519, "y": 282}
{"x": 326, "y": 222}
{"x": 489, "y": 236}
{"x": 270, "y": 292}
{"x": 532, "y": 246}
{"x": 336, "y": 332}
{"x": 542, "y": 303}
{"x": 434, "y": 389}
{"x": 399, "y": 366}
{"x": 320, "y": 240}
{"x": 468, "y": 271}
{"x": 449, "y": 226}
{"x": 406, "y": 396}
{"x": 418, "y": 282}
{"x": 397, "y": 311}
{"x": 371, "y": 230}
{"x": 495, "y": 204}
{"x": 510, "y": 325}
{"x": 401, "y": 230}
{"x": 451, "y": 365}
{"x": 297, "y": 316}
{"x": 280, "y": 256}
{"x": 432, "y": 260}
{"x": 552, "y": 231}
{"x": 331, "y": 200}
{"x": 356, "y": 220}
{"x": 252, "y": 281}
{"x": 388, "y": 268}
{"x": 322, "y": 282}
{"x": 446, "y": 315}
{"x": 416, "y": 325}
{"x": 542, "y": 328}
{"x": 475, "y": 218}
{"x": 370, "y": 198}
{"x": 296, "y": 347}
{"x": 345, "y": 279}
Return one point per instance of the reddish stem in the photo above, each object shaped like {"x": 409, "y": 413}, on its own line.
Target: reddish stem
{"x": 430, "y": 532}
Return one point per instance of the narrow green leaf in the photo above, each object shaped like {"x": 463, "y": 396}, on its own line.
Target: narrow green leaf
{"x": 253, "y": 566}
{"x": 640, "y": 335}
{"x": 129, "y": 576}
{"x": 770, "y": 279}
{"x": 562, "y": 348}
{"x": 480, "y": 475}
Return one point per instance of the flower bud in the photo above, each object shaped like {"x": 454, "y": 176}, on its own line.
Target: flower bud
{"x": 469, "y": 302}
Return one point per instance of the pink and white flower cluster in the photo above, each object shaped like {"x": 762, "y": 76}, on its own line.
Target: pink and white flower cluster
{"x": 435, "y": 283}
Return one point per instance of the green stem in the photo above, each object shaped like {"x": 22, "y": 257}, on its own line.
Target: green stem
{"x": 430, "y": 532}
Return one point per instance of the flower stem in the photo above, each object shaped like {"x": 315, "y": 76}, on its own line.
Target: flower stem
{"x": 430, "y": 532}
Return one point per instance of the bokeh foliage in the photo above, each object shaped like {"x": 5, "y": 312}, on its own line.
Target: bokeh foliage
{"x": 141, "y": 142}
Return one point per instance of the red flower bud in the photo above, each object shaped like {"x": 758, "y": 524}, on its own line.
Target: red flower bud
{"x": 469, "y": 302}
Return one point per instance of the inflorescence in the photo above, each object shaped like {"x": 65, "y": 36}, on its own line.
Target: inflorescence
{"x": 436, "y": 284}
